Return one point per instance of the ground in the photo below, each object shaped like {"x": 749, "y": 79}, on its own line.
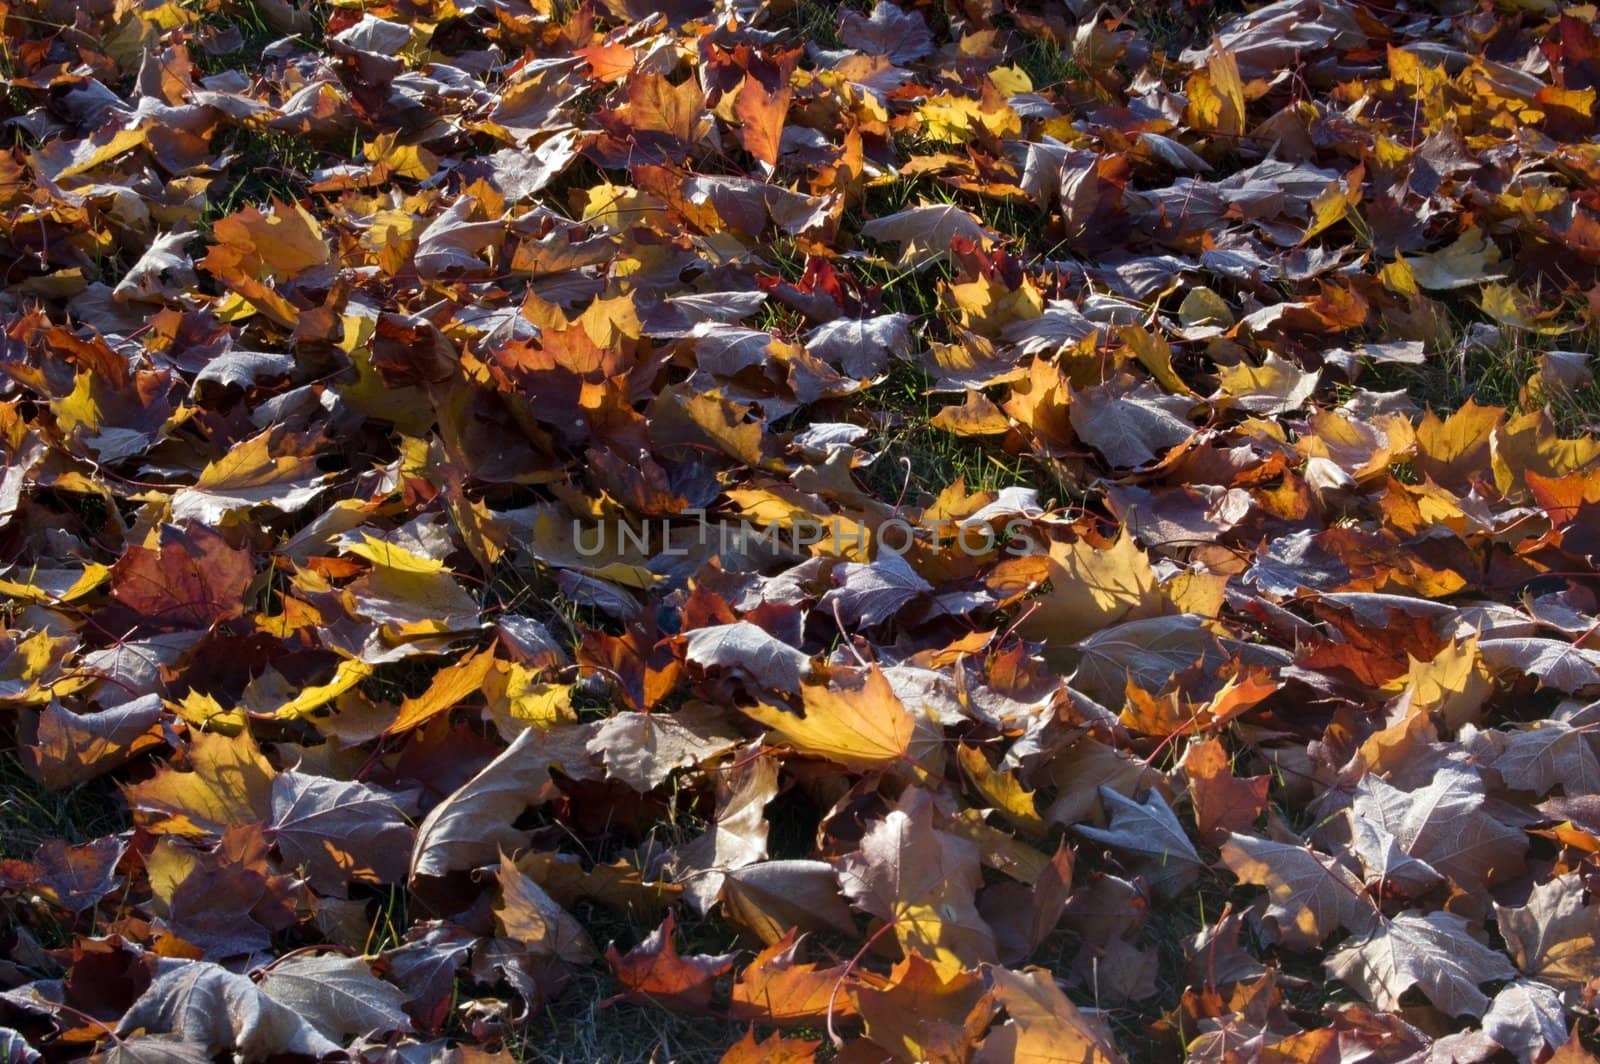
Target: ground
{"x": 1312, "y": 459}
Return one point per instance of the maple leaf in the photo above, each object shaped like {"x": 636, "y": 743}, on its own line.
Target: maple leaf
{"x": 163, "y": 272}
{"x": 921, "y": 1015}
{"x": 449, "y": 686}
{"x": 474, "y": 823}
{"x": 1002, "y": 790}
{"x": 1093, "y": 588}
{"x": 1275, "y": 387}
{"x": 408, "y": 594}
{"x": 761, "y": 113}
{"x": 1217, "y": 100}
{"x": 75, "y": 878}
{"x": 891, "y": 31}
{"x": 1462, "y": 264}
{"x": 1146, "y": 652}
{"x": 978, "y": 416}
{"x": 275, "y": 462}
{"x": 861, "y": 726}
{"x": 206, "y": 1005}
{"x": 1543, "y": 756}
{"x": 654, "y": 971}
{"x": 1446, "y": 825}
{"x": 229, "y": 783}
{"x": 1525, "y": 1017}
{"x": 452, "y": 242}
{"x": 1148, "y": 830}
{"x": 1553, "y": 938}
{"x": 752, "y": 650}
{"x": 529, "y": 915}
{"x": 1042, "y": 1024}
{"x": 861, "y": 347}
{"x": 1311, "y": 894}
{"x": 425, "y": 966}
{"x": 1434, "y": 952}
{"x": 339, "y": 996}
{"x": 281, "y": 242}
{"x": 925, "y": 233}
{"x": 644, "y": 749}
{"x": 1021, "y": 915}
{"x": 249, "y": 475}
{"x": 340, "y": 831}
{"x": 1555, "y": 663}
{"x": 738, "y": 834}
{"x": 1453, "y": 685}
{"x": 777, "y": 988}
{"x": 190, "y": 578}
{"x": 772, "y": 897}
{"x": 1223, "y": 802}
{"x": 1131, "y": 427}
{"x": 1386, "y": 865}
{"x": 870, "y": 593}
{"x": 774, "y": 1049}
{"x": 923, "y": 881}
{"x": 64, "y": 748}
{"x": 350, "y": 673}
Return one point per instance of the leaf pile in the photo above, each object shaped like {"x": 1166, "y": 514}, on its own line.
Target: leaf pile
{"x": 412, "y": 407}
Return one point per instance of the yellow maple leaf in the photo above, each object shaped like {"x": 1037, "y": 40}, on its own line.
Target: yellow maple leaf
{"x": 864, "y": 727}
{"x": 1454, "y": 685}
{"x": 349, "y": 673}
{"x": 450, "y": 685}
{"x": 405, "y": 160}
{"x": 1092, "y": 588}
{"x": 228, "y": 784}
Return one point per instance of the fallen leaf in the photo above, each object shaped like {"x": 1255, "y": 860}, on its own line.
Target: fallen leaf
{"x": 473, "y": 824}
{"x": 1042, "y": 1025}
{"x": 1311, "y": 895}
{"x": 654, "y": 971}
{"x": 339, "y": 832}
{"x": 774, "y": 1049}
{"x": 924, "y": 882}
{"x": 1433, "y": 952}
{"x": 206, "y": 1005}
{"x": 1148, "y": 830}
{"x": 339, "y": 996}
{"x": 771, "y": 897}
{"x": 644, "y": 749}
{"x": 1525, "y": 1017}
{"x": 190, "y": 579}
{"x": 861, "y": 726}
{"x": 1553, "y": 938}
{"x": 779, "y": 989}
{"x": 1223, "y": 802}
{"x": 229, "y": 783}
{"x": 531, "y": 917}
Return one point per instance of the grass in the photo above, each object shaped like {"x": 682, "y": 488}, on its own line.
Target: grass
{"x": 31, "y": 813}
{"x": 397, "y": 681}
{"x": 267, "y": 163}
{"x": 918, "y": 459}
{"x": 815, "y": 22}
{"x": 1497, "y": 374}
{"x": 1047, "y": 64}
{"x": 1171, "y": 26}
{"x": 256, "y": 32}
{"x": 390, "y": 922}
{"x": 580, "y": 1027}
